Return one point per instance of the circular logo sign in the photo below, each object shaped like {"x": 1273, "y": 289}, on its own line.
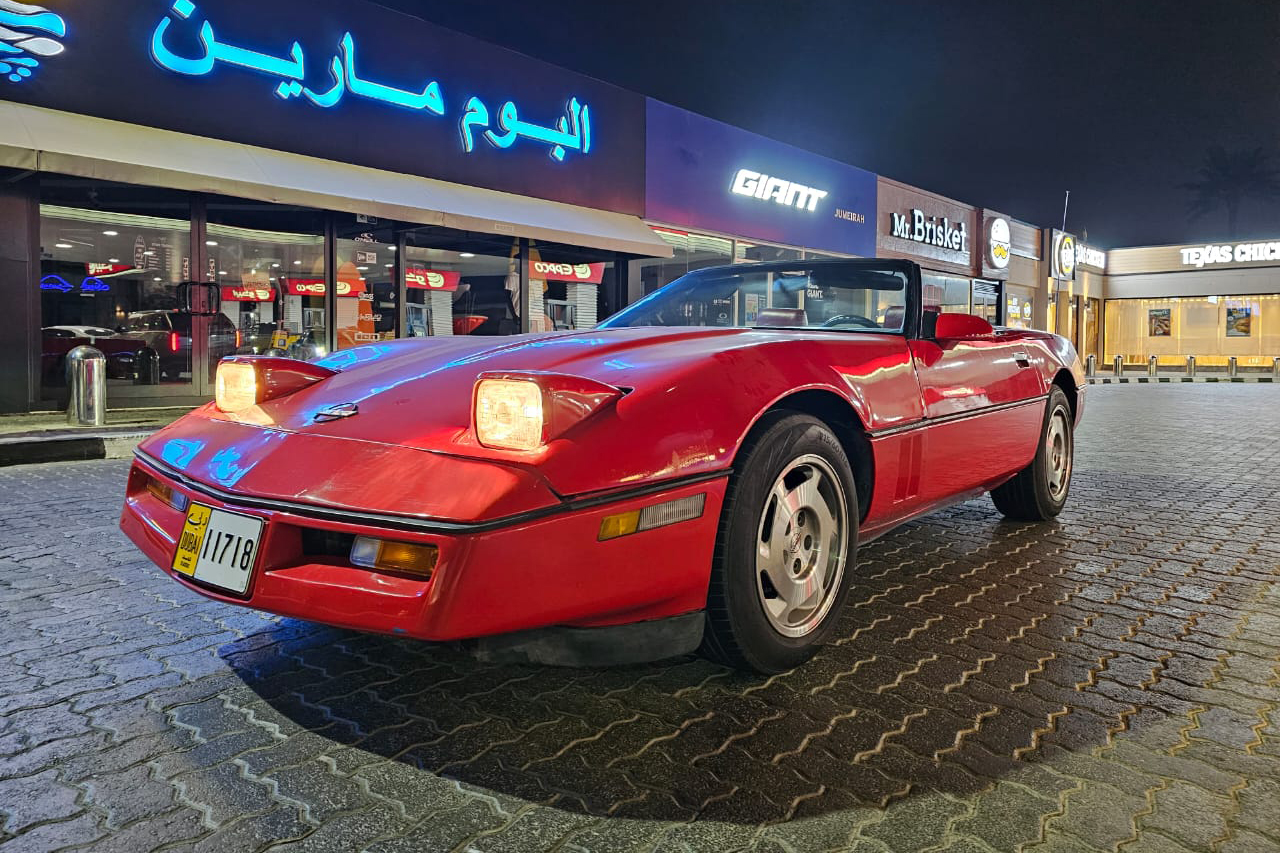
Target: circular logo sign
{"x": 1066, "y": 255}
{"x": 998, "y": 243}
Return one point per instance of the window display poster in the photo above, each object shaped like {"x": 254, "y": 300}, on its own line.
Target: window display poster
{"x": 1159, "y": 323}
{"x": 1239, "y": 322}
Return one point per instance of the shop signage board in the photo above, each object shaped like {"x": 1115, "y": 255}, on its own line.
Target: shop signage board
{"x": 1206, "y": 257}
{"x": 581, "y": 273}
{"x": 936, "y": 232}
{"x": 703, "y": 174}
{"x": 1062, "y": 255}
{"x": 999, "y": 247}
{"x": 420, "y": 278}
{"x": 348, "y": 81}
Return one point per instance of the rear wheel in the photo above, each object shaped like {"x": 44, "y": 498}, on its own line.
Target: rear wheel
{"x": 1039, "y": 491}
{"x": 784, "y": 555}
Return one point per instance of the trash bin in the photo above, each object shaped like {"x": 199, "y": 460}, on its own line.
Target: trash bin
{"x": 147, "y": 367}
{"x": 87, "y": 384}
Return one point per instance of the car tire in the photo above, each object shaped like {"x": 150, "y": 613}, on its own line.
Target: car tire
{"x": 759, "y": 616}
{"x": 1039, "y": 491}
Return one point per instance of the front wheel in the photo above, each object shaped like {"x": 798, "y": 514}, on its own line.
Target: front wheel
{"x": 785, "y": 550}
{"x": 1039, "y": 491}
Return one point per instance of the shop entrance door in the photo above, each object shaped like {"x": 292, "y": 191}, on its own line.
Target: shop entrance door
{"x": 986, "y": 301}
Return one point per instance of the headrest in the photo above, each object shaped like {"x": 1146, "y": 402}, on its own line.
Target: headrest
{"x": 781, "y": 317}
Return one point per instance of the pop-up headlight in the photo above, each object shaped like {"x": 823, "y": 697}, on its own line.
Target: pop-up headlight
{"x": 525, "y": 410}
{"x": 245, "y": 381}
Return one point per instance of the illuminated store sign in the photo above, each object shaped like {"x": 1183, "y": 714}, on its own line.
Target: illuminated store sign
{"x": 1063, "y": 255}
{"x": 1088, "y": 256}
{"x": 1239, "y": 253}
{"x": 704, "y": 175}
{"x": 27, "y": 34}
{"x": 582, "y": 273}
{"x": 769, "y": 188}
{"x": 572, "y": 131}
{"x": 425, "y": 279}
{"x": 998, "y": 243}
{"x": 919, "y": 228}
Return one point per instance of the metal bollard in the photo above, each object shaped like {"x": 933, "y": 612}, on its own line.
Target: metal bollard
{"x": 87, "y": 382}
{"x": 1151, "y": 366}
{"x": 146, "y": 364}
{"x": 1119, "y": 365}
{"x": 1231, "y": 366}
{"x": 1091, "y": 365}
{"x": 1191, "y": 365}
{"x": 1275, "y": 367}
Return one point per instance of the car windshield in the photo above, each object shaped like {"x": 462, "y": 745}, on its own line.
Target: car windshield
{"x": 840, "y": 296}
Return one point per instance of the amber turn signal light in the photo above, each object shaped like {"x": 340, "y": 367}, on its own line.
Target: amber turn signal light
{"x": 385, "y": 555}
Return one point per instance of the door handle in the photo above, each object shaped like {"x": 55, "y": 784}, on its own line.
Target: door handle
{"x": 1021, "y": 358}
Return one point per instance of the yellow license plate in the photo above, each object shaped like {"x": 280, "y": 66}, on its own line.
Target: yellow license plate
{"x": 184, "y": 560}
{"x": 218, "y": 547}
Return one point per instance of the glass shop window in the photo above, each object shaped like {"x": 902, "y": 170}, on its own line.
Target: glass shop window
{"x": 367, "y": 302}
{"x": 691, "y": 252}
{"x": 269, "y": 261}
{"x": 944, "y": 293}
{"x": 569, "y": 286}
{"x": 111, "y": 257}
{"x": 459, "y": 283}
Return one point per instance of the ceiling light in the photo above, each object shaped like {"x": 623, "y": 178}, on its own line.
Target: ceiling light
{"x": 297, "y": 263}
{"x": 110, "y": 233}
{"x": 211, "y": 242}
{"x": 222, "y": 272}
{"x": 362, "y": 269}
{"x": 466, "y": 254}
{"x": 113, "y": 260}
{"x": 148, "y": 254}
{"x": 275, "y": 266}
{"x": 62, "y": 245}
{"x": 157, "y": 278}
{"x": 392, "y": 248}
{"x": 388, "y": 266}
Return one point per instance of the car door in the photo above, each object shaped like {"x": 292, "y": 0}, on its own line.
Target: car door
{"x": 983, "y": 398}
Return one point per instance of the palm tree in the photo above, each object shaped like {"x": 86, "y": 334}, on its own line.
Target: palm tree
{"x": 1229, "y": 177}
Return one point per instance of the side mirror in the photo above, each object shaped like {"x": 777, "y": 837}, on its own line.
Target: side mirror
{"x": 958, "y": 326}
{"x": 200, "y": 298}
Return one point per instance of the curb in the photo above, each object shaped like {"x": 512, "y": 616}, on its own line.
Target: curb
{"x": 1143, "y": 380}
{"x": 33, "y": 449}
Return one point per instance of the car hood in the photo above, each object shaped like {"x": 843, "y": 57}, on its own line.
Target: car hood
{"x": 417, "y": 392}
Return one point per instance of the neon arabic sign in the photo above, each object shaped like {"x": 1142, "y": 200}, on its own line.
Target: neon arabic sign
{"x": 90, "y": 284}
{"x": 571, "y": 132}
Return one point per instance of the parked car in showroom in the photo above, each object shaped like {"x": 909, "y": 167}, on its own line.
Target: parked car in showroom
{"x": 168, "y": 332}
{"x": 694, "y": 473}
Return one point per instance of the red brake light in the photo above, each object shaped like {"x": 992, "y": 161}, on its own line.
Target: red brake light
{"x": 173, "y": 342}
{"x": 239, "y": 340}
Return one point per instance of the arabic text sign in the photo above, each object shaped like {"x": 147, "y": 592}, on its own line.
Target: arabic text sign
{"x": 428, "y": 101}
{"x": 581, "y": 273}
{"x": 425, "y": 279}
{"x": 316, "y": 287}
{"x": 248, "y": 294}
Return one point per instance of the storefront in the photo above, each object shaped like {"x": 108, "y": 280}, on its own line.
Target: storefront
{"x": 718, "y": 194}
{"x": 1076, "y": 282}
{"x": 1011, "y": 256}
{"x": 945, "y": 238}
{"x": 1211, "y": 301}
{"x": 345, "y": 173}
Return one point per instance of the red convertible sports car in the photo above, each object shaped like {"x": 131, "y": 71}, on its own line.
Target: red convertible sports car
{"x": 695, "y": 472}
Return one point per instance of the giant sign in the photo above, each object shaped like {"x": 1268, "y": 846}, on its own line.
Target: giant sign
{"x": 348, "y": 81}
{"x": 705, "y": 174}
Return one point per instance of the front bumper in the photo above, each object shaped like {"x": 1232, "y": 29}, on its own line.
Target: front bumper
{"x": 525, "y": 573}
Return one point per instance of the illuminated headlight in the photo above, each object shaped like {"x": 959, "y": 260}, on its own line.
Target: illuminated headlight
{"x": 509, "y": 414}
{"x": 165, "y": 492}
{"x": 383, "y": 554}
{"x": 658, "y": 515}
{"x": 235, "y": 386}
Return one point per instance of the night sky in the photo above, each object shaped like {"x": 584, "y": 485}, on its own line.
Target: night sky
{"x": 998, "y": 104}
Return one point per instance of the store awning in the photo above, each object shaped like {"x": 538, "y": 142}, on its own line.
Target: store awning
{"x": 49, "y": 140}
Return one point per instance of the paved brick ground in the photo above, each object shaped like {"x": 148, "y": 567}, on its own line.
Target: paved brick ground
{"x": 1107, "y": 682}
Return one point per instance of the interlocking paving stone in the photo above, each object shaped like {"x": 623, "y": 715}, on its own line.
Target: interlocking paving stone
{"x": 1108, "y": 681}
